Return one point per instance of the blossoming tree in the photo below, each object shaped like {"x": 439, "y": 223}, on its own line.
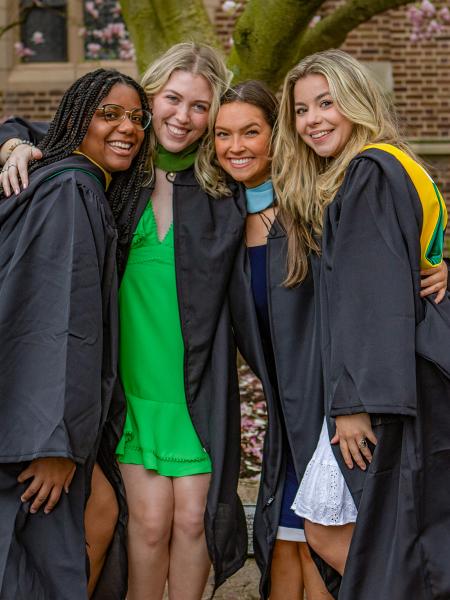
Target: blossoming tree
{"x": 270, "y": 36}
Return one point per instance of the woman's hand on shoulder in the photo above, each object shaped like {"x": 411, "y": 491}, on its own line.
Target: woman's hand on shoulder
{"x": 15, "y": 169}
{"x": 434, "y": 281}
{"x": 352, "y": 433}
{"x": 49, "y": 477}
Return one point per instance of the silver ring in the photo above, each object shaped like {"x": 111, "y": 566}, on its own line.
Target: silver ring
{"x": 362, "y": 443}
{"x": 13, "y": 165}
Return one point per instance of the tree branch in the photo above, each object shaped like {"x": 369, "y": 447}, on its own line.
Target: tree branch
{"x": 265, "y": 38}
{"x": 271, "y": 36}
{"x": 332, "y": 31}
{"x": 148, "y": 40}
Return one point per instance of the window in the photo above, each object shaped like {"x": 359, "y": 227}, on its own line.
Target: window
{"x": 44, "y": 31}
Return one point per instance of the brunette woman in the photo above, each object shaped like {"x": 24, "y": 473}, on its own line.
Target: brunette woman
{"x": 243, "y": 146}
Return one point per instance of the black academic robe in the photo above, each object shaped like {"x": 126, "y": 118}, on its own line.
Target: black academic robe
{"x": 385, "y": 352}
{"x": 58, "y": 353}
{"x": 207, "y": 235}
{"x": 294, "y": 393}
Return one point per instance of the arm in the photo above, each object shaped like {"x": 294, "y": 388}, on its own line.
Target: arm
{"x": 15, "y": 163}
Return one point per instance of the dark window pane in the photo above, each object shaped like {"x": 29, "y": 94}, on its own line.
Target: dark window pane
{"x": 50, "y": 20}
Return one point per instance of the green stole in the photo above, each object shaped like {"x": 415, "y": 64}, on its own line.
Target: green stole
{"x": 174, "y": 162}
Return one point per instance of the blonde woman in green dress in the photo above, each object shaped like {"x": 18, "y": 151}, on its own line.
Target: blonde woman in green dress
{"x": 165, "y": 466}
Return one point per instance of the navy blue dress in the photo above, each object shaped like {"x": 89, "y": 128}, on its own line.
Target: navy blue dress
{"x": 290, "y": 525}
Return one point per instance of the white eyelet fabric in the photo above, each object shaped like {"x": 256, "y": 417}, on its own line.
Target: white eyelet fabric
{"x": 323, "y": 496}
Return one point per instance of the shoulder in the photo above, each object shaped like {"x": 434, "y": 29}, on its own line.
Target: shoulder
{"x": 71, "y": 177}
{"x": 392, "y": 162}
{"x": 383, "y": 166}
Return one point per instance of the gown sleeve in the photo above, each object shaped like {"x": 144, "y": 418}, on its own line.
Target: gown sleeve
{"x": 17, "y": 127}
{"x": 372, "y": 230}
{"x": 52, "y": 250}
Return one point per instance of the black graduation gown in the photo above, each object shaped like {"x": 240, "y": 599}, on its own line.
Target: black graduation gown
{"x": 385, "y": 352}
{"x": 207, "y": 234}
{"x": 295, "y": 401}
{"x": 58, "y": 322}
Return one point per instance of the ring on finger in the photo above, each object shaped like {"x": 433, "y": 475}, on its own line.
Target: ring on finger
{"x": 12, "y": 165}
{"x": 362, "y": 443}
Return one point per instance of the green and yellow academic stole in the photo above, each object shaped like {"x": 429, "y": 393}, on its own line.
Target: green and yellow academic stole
{"x": 433, "y": 206}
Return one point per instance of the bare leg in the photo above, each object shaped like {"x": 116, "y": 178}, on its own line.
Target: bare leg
{"x": 286, "y": 572}
{"x": 189, "y": 559}
{"x": 331, "y": 543}
{"x": 314, "y": 585}
{"x": 151, "y": 504}
{"x": 100, "y": 519}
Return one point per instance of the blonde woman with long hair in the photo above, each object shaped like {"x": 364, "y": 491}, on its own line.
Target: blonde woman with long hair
{"x": 179, "y": 452}
{"x": 342, "y": 173}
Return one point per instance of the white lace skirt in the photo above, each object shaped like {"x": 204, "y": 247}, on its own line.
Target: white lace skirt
{"x": 323, "y": 496}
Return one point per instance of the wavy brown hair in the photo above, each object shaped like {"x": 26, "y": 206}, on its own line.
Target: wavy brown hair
{"x": 253, "y": 92}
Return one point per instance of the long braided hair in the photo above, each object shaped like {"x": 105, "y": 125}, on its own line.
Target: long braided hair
{"x": 68, "y": 129}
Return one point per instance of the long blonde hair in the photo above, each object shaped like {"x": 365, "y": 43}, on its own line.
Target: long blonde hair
{"x": 306, "y": 183}
{"x": 198, "y": 59}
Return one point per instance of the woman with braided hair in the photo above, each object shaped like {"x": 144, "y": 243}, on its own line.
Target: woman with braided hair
{"x": 180, "y": 451}
{"x": 58, "y": 318}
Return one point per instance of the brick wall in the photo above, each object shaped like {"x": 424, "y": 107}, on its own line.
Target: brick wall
{"x": 421, "y": 74}
{"x": 37, "y": 106}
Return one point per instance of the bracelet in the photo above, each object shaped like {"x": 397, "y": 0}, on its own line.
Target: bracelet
{"x": 16, "y": 145}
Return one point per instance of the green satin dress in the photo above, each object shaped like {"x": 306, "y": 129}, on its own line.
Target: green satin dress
{"x": 158, "y": 431}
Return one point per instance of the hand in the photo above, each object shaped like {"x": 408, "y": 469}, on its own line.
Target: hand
{"x": 49, "y": 477}
{"x": 434, "y": 281}
{"x": 351, "y": 431}
{"x": 16, "y": 168}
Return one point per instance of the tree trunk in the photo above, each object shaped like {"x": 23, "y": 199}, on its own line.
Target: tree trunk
{"x": 270, "y": 36}
{"x": 155, "y": 25}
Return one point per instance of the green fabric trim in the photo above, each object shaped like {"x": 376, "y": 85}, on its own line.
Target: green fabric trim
{"x": 169, "y": 161}
{"x": 75, "y": 169}
{"x": 435, "y": 248}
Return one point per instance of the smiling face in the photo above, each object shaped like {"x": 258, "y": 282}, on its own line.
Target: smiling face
{"x": 317, "y": 119}
{"x": 114, "y": 145}
{"x": 180, "y": 110}
{"x": 242, "y": 141}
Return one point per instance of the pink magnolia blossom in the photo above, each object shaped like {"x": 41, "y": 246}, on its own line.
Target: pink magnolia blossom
{"x": 91, "y": 9}
{"x": 93, "y": 50}
{"x": 444, "y": 14}
{"x": 116, "y": 10}
{"x": 38, "y": 37}
{"x": 426, "y": 21}
{"x": 428, "y": 8}
{"x": 23, "y": 51}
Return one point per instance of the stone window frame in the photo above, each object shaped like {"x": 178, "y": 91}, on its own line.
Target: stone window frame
{"x": 42, "y": 75}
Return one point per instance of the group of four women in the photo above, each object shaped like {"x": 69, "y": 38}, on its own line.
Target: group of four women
{"x": 301, "y": 240}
